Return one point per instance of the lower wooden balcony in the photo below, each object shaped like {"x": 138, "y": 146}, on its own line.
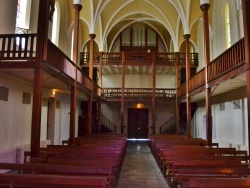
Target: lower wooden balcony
{"x": 138, "y": 94}
{"x": 18, "y": 52}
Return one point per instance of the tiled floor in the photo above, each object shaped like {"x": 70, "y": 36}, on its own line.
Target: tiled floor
{"x": 139, "y": 168}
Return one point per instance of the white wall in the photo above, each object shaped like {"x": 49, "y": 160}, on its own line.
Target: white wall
{"x": 8, "y": 10}
{"x": 229, "y": 126}
{"x": 15, "y": 121}
{"x": 138, "y": 81}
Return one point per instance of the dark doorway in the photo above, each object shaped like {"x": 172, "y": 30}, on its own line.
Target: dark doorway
{"x": 137, "y": 123}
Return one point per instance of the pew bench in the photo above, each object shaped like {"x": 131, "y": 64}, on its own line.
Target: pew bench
{"x": 185, "y": 174}
{"x": 51, "y": 181}
{"x": 219, "y": 183}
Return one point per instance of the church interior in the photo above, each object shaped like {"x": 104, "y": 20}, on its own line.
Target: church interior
{"x": 141, "y": 93}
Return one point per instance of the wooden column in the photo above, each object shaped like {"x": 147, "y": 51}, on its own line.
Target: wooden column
{"x": 99, "y": 116}
{"x": 100, "y": 84}
{"x": 246, "y": 22}
{"x": 90, "y": 107}
{"x": 204, "y": 7}
{"x": 91, "y": 54}
{"x": 177, "y": 105}
{"x": 153, "y": 94}
{"x": 188, "y": 99}
{"x": 90, "y": 96}
{"x": 41, "y": 55}
{"x": 100, "y": 68}
{"x": 77, "y": 9}
{"x": 122, "y": 93}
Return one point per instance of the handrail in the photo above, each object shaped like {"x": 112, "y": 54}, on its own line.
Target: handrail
{"x": 108, "y": 124}
{"x": 138, "y": 92}
{"x": 168, "y": 124}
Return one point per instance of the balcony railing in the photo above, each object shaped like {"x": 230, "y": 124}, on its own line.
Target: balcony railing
{"x": 228, "y": 61}
{"x": 22, "y": 47}
{"x": 18, "y": 47}
{"x": 138, "y": 92}
{"x": 164, "y": 59}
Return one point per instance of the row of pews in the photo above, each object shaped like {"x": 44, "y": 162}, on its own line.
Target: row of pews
{"x": 94, "y": 161}
{"x": 187, "y": 162}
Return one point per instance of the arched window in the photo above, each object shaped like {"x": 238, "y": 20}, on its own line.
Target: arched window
{"x": 227, "y": 26}
{"x": 23, "y": 16}
{"x": 56, "y": 25}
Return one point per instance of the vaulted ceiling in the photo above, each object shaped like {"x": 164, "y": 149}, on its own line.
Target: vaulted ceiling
{"x": 107, "y": 18}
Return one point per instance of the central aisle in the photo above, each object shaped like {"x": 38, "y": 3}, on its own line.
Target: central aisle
{"x": 139, "y": 169}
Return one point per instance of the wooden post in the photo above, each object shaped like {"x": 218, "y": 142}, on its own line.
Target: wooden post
{"x": 188, "y": 99}
{"x": 90, "y": 97}
{"x": 122, "y": 93}
{"x": 246, "y": 23}
{"x": 100, "y": 84}
{"x": 153, "y": 94}
{"x": 77, "y": 9}
{"x": 99, "y": 116}
{"x": 204, "y": 7}
{"x": 41, "y": 55}
{"x": 91, "y": 54}
{"x": 177, "y": 105}
{"x": 100, "y": 68}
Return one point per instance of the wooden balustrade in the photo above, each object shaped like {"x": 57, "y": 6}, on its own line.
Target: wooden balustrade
{"x": 227, "y": 61}
{"x": 165, "y": 59}
{"x": 18, "y": 47}
{"x": 182, "y": 90}
{"x": 197, "y": 80}
{"x": 138, "y": 92}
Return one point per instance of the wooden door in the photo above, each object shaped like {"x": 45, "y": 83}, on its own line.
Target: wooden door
{"x": 137, "y": 123}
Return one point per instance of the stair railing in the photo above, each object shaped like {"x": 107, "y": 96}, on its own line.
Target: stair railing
{"x": 108, "y": 125}
{"x": 170, "y": 123}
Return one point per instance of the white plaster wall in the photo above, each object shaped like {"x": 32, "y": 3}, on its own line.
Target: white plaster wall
{"x": 165, "y": 81}
{"x": 15, "y": 121}
{"x": 219, "y": 40}
{"x": 141, "y": 81}
{"x": 111, "y": 81}
{"x": 229, "y": 126}
{"x": 8, "y": 10}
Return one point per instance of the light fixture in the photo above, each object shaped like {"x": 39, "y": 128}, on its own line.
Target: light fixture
{"x": 139, "y": 105}
{"x": 53, "y": 92}
{"x": 204, "y": 2}
{"x": 77, "y": 2}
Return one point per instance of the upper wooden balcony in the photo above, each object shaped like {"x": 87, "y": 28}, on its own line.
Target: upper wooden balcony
{"x": 228, "y": 65}
{"x": 139, "y": 58}
{"x": 18, "y": 51}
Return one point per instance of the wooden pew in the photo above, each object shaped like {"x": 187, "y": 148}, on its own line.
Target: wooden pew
{"x": 51, "y": 181}
{"x": 219, "y": 162}
{"x": 185, "y": 174}
{"x": 219, "y": 183}
{"x": 104, "y": 171}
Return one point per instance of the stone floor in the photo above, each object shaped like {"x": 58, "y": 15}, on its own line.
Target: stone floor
{"x": 139, "y": 169}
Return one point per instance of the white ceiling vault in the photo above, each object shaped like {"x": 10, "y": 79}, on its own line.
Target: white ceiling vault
{"x": 171, "y": 19}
